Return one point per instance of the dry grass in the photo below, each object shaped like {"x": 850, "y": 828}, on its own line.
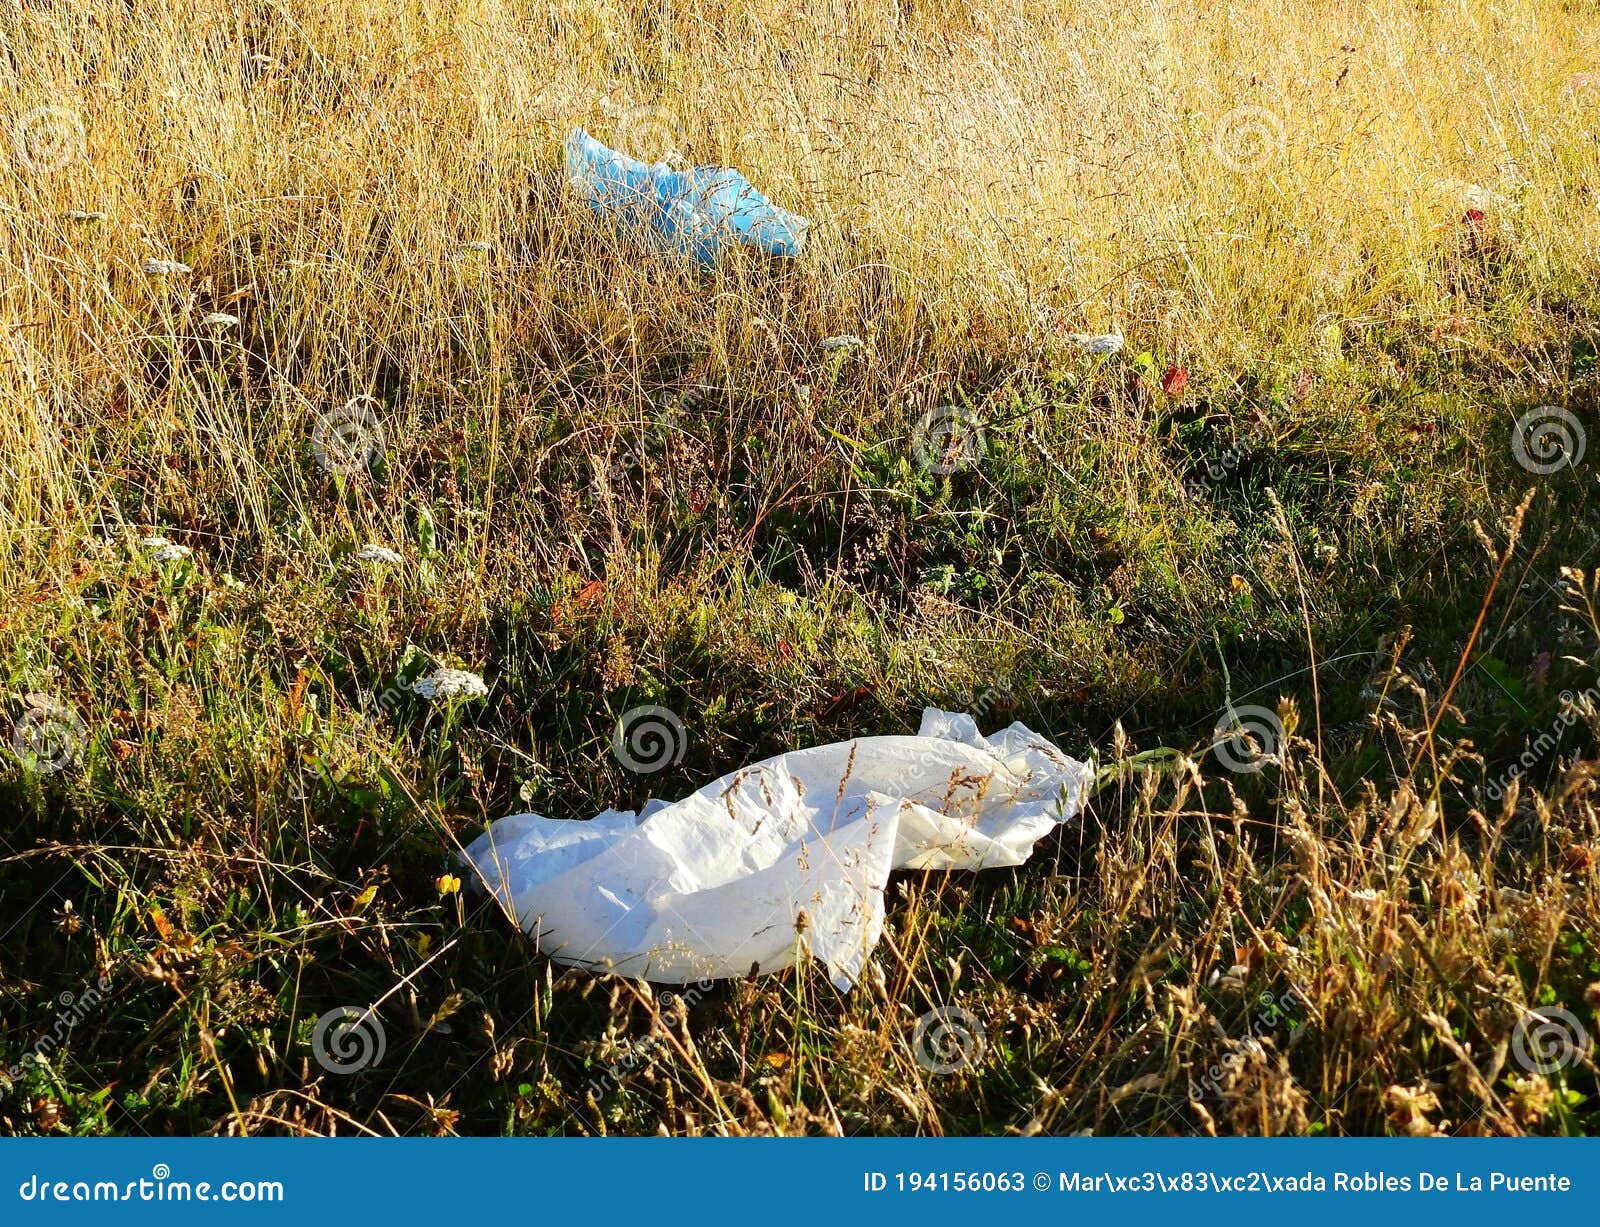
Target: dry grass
{"x": 1366, "y": 234}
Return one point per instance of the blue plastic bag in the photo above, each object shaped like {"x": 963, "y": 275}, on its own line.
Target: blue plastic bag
{"x": 695, "y": 212}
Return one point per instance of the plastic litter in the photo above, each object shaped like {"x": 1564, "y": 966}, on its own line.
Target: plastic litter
{"x": 784, "y": 857}
{"x": 696, "y": 212}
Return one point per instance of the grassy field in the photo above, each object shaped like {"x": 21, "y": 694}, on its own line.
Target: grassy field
{"x": 1334, "y": 483}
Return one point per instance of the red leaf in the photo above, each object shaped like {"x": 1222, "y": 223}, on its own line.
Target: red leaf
{"x": 1175, "y": 380}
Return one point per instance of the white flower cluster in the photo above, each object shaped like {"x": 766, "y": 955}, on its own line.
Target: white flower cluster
{"x": 1102, "y": 344}
{"x": 163, "y": 550}
{"x": 443, "y": 684}
{"x": 378, "y": 553}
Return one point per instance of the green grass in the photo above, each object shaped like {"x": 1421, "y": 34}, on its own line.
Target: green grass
{"x": 231, "y": 897}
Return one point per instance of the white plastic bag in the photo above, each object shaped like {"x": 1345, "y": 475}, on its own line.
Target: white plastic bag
{"x": 788, "y": 855}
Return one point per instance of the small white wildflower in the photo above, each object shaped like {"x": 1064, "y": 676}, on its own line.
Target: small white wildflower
{"x": 378, "y": 553}
{"x": 1101, "y": 343}
{"x": 846, "y": 341}
{"x": 163, "y": 550}
{"x": 83, "y": 215}
{"x": 165, "y": 268}
{"x": 450, "y": 684}
{"x": 220, "y": 319}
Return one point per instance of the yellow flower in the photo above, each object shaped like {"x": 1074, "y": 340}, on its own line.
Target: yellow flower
{"x": 448, "y": 884}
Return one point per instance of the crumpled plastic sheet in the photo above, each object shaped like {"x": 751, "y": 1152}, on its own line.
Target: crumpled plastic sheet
{"x": 788, "y": 856}
{"x": 694, "y": 212}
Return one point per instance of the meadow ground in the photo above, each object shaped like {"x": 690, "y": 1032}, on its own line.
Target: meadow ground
{"x": 1334, "y": 483}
